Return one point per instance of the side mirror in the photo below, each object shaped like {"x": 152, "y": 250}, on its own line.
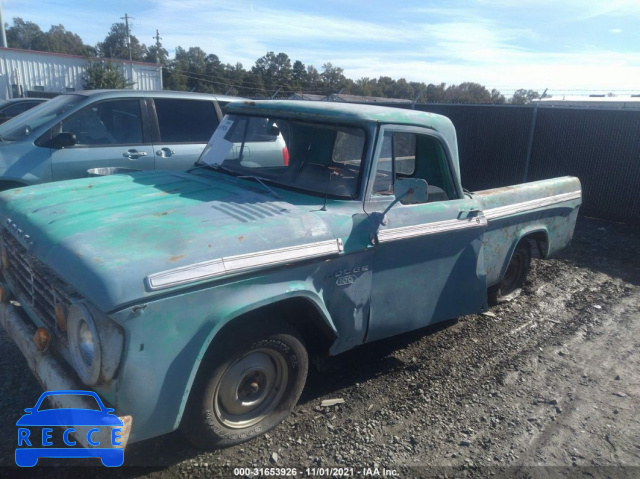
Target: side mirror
{"x": 410, "y": 191}
{"x": 64, "y": 140}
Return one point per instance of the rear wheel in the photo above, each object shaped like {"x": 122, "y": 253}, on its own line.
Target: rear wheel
{"x": 251, "y": 381}
{"x": 513, "y": 280}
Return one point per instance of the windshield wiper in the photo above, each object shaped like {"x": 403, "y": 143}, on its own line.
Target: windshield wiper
{"x": 262, "y": 183}
{"x": 216, "y": 167}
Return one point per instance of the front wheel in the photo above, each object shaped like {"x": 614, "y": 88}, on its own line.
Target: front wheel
{"x": 513, "y": 280}
{"x": 247, "y": 386}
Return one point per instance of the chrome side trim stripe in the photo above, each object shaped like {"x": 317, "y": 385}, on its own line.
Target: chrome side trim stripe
{"x": 395, "y": 234}
{"x": 244, "y": 262}
{"x": 186, "y": 274}
{"x": 499, "y": 212}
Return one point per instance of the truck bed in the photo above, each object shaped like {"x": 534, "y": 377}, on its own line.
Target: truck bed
{"x": 544, "y": 211}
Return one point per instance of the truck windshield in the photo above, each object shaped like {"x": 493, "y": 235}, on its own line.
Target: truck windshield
{"x": 317, "y": 158}
{"x": 26, "y": 124}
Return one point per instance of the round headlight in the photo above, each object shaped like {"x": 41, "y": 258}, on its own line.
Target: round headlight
{"x": 84, "y": 343}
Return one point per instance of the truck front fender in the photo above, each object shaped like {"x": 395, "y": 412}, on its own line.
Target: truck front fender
{"x": 168, "y": 339}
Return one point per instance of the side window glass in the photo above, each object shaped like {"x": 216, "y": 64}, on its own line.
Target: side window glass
{"x": 414, "y": 156}
{"x": 383, "y": 182}
{"x": 117, "y": 122}
{"x": 15, "y": 110}
{"x": 260, "y": 130}
{"x": 185, "y": 121}
{"x": 348, "y": 147}
{"x": 404, "y": 153}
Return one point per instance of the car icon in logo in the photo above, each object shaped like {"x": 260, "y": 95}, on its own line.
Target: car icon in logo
{"x": 101, "y": 426}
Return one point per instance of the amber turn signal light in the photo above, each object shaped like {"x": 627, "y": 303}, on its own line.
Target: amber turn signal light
{"x": 42, "y": 338}
{"x": 61, "y": 316}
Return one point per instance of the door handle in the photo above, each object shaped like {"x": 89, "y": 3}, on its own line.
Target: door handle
{"x": 472, "y": 213}
{"x": 134, "y": 154}
{"x": 165, "y": 152}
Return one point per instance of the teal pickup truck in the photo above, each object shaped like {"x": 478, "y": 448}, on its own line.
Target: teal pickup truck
{"x": 194, "y": 300}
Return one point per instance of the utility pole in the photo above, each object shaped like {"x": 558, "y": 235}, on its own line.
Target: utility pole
{"x": 3, "y": 38}
{"x": 126, "y": 22}
{"x": 158, "y": 45}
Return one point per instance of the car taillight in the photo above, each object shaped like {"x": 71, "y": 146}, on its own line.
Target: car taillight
{"x": 285, "y": 156}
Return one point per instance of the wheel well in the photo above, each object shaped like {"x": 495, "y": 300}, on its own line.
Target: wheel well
{"x": 299, "y": 313}
{"x": 541, "y": 241}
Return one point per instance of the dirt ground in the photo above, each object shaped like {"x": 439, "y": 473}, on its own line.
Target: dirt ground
{"x": 545, "y": 386}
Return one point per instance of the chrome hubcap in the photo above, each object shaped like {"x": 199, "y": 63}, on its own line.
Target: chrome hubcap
{"x": 251, "y": 388}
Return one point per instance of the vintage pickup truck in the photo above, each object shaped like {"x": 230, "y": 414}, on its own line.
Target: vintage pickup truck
{"x": 195, "y": 299}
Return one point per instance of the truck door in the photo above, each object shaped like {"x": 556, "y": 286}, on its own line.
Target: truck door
{"x": 109, "y": 133}
{"x": 427, "y": 262}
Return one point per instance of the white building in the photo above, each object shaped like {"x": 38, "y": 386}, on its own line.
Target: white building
{"x": 623, "y": 102}
{"x": 29, "y": 73}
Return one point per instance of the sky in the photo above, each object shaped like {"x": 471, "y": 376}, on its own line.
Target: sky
{"x": 572, "y": 47}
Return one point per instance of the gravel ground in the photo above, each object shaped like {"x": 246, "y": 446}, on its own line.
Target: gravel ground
{"x": 547, "y": 385}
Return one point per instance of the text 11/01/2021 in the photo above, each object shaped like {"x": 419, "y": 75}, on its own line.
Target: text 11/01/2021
{"x": 314, "y": 472}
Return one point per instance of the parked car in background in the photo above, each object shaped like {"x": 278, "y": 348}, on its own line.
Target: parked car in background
{"x": 254, "y": 142}
{"x": 141, "y": 130}
{"x": 12, "y": 108}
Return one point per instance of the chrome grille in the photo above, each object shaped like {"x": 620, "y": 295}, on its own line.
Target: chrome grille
{"x": 34, "y": 285}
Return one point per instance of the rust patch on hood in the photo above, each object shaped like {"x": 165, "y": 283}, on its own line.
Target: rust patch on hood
{"x": 176, "y": 258}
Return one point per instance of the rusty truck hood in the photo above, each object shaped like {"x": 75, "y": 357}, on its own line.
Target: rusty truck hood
{"x": 106, "y": 236}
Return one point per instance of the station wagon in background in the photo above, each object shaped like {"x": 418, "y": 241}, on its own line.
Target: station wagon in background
{"x": 195, "y": 299}
{"x": 128, "y": 129}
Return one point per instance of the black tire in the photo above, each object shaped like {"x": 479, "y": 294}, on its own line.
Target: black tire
{"x": 510, "y": 286}
{"x": 247, "y": 386}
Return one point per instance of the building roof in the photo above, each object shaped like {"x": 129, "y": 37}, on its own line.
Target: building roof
{"x": 307, "y": 96}
{"x": 366, "y": 99}
{"x": 348, "y": 98}
{"x": 77, "y": 57}
{"x": 608, "y": 102}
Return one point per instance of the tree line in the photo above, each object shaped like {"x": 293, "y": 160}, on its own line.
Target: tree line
{"x": 273, "y": 75}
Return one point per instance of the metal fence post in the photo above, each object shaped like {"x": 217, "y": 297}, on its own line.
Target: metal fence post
{"x": 534, "y": 120}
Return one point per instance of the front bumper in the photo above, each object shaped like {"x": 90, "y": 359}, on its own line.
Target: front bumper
{"x": 51, "y": 375}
